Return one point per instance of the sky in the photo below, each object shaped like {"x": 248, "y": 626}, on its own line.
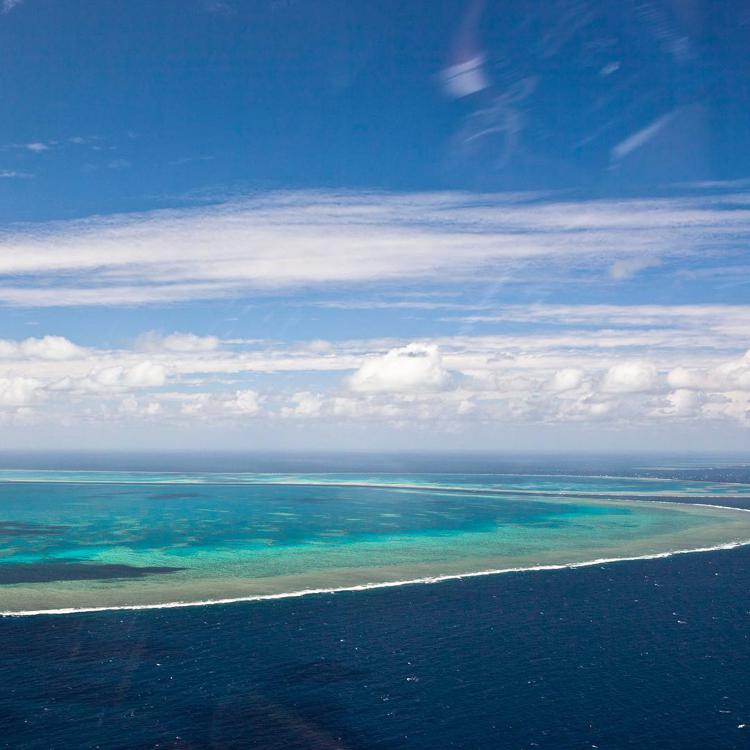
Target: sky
{"x": 454, "y": 225}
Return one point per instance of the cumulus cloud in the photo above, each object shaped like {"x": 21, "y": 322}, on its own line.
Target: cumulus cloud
{"x": 733, "y": 405}
{"x": 536, "y": 377}
{"x": 684, "y": 403}
{"x": 217, "y": 406}
{"x": 682, "y": 377}
{"x": 567, "y": 379}
{"x": 630, "y": 377}
{"x": 243, "y": 402}
{"x": 145, "y": 374}
{"x": 51, "y": 347}
{"x": 306, "y": 404}
{"x": 16, "y": 392}
{"x": 411, "y": 368}
{"x": 734, "y": 375}
{"x": 132, "y": 407}
{"x": 730, "y": 375}
{"x": 47, "y": 347}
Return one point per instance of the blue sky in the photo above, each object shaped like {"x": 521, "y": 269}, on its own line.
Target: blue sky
{"x": 347, "y": 224}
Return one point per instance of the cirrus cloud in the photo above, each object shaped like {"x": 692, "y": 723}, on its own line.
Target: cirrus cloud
{"x": 308, "y": 239}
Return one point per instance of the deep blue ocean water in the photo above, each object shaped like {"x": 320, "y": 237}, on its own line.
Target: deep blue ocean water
{"x": 644, "y": 654}
{"x": 648, "y": 654}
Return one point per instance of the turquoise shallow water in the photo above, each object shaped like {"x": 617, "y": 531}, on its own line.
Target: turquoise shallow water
{"x": 73, "y": 540}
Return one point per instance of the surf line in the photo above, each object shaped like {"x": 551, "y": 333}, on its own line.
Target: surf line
{"x": 369, "y": 586}
{"x": 614, "y": 495}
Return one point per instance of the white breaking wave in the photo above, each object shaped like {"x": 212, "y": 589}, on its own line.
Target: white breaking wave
{"x": 381, "y": 585}
{"x": 304, "y": 481}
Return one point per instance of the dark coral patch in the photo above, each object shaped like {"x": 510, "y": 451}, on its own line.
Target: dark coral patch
{"x": 17, "y": 528}
{"x": 74, "y": 570}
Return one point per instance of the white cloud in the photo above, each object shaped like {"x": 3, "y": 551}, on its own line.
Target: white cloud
{"x": 18, "y": 391}
{"x": 686, "y": 332}
{"x": 176, "y": 342}
{"x": 690, "y": 317}
{"x": 567, "y": 379}
{"x": 243, "y": 402}
{"x": 685, "y": 403}
{"x": 625, "y": 269}
{"x": 734, "y": 405}
{"x": 630, "y": 377}
{"x": 7, "y": 5}
{"x": 734, "y": 375}
{"x": 195, "y": 404}
{"x": 47, "y": 347}
{"x": 638, "y": 139}
{"x": 306, "y": 404}
{"x": 600, "y": 409}
{"x": 132, "y": 407}
{"x": 10, "y": 174}
{"x": 51, "y": 347}
{"x": 320, "y": 346}
{"x": 144, "y": 374}
{"x": 287, "y": 240}
{"x": 682, "y": 377}
{"x": 730, "y": 375}
{"x": 412, "y": 368}
{"x": 534, "y": 378}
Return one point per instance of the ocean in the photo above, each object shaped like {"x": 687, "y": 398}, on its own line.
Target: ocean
{"x": 643, "y": 653}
